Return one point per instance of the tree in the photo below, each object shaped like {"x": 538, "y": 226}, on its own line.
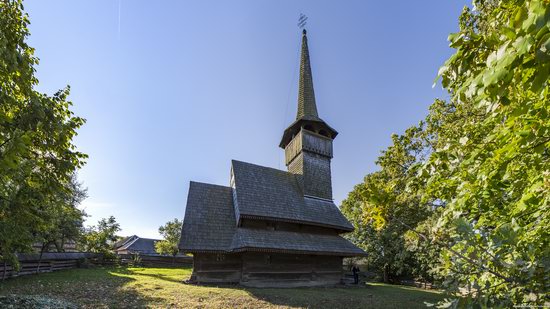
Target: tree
{"x": 100, "y": 238}
{"x": 37, "y": 155}
{"x": 486, "y": 168}
{"x": 491, "y": 165}
{"x": 486, "y": 172}
{"x": 171, "y": 233}
{"x": 385, "y": 206}
{"x": 64, "y": 221}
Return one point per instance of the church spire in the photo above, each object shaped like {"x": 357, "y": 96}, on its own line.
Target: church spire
{"x": 307, "y": 117}
{"x": 306, "y": 95}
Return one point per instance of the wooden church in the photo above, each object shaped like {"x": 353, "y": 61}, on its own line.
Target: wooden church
{"x": 271, "y": 227}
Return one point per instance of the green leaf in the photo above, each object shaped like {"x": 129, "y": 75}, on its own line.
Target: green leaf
{"x": 509, "y": 33}
{"x": 523, "y": 44}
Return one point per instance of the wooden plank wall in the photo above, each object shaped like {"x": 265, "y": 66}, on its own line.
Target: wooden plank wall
{"x": 288, "y": 270}
{"x": 217, "y": 268}
{"x": 267, "y": 270}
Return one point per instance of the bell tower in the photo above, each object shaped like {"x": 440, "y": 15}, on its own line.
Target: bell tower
{"x": 308, "y": 140}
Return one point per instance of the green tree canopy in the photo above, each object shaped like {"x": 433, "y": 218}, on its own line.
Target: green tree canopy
{"x": 171, "y": 233}
{"x": 101, "y": 237}
{"x": 483, "y": 174}
{"x": 64, "y": 220}
{"x": 37, "y": 154}
{"x": 491, "y": 165}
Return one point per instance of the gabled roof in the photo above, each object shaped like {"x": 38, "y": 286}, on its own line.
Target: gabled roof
{"x": 268, "y": 193}
{"x": 124, "y": 241}
{"x": 209, "y": 223}
{"x": 141, "y": 245}
{"x": 209, "y": 226}
{"x": 284, "y": 241}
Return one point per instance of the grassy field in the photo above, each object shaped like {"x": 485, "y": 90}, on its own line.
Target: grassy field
{"x": 161, "y": 287}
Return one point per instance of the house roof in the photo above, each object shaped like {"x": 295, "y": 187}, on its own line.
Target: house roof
{"x": 210, "y": 226}
{"x": 263, "y": 192}
{"x": 283, "y": 241}
{"x": 209, "y": 222}
{"x": 141, "y": 245}
{"x": 123, "y": 241}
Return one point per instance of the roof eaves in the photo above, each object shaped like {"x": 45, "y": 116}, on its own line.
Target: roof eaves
{"x": 338, "y": 227}
{"x": 289, "y": 251}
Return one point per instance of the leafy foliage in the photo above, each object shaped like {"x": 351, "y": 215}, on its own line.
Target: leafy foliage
{"x": 491, "y": 164}
{"x": 37, "y": 156}
{"x": 171, "y": 232}
{"x": 63, "y": 221}
{"x": 383, "y": 208}
{"x": 485, "y": 169}
{"x": 101, "y": 237}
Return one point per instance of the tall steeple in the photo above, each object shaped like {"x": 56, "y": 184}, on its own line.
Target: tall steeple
{"x": 307, "y": 116}
{"x": 306, "y": 95}
{"x": 308, "y": 140}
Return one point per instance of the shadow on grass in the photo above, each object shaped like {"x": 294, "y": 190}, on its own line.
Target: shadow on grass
{"x": 113, "y": 287}
{"x": 370, "y": 296}
{"x": 93, "y": 287}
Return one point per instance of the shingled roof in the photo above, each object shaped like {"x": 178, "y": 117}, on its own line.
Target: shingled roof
{"x": 209, "y": 223}
{"x": 307, "y": 108}
{"x": 137, "y": 244}
{"x": 306, "y": 94}
{"x": 284, "y": 241}
{"x": 264, "y": 193}
{"x": 268, "y": 193}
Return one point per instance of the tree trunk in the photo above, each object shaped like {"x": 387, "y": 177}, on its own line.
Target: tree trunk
{"x": 44, "y": 246}
{"x": 386, "y": 273}
{"x": 58, "y": 248}
{"x": 62, "y": 249}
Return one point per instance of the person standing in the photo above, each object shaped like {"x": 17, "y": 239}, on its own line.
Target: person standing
{"x": 355, "y": 271}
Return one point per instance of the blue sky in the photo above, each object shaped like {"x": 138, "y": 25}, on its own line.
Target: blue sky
{"x": 173, "y": 90}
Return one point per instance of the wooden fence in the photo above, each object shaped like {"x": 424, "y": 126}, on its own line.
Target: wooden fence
{"x": 30, "y": 263}
{"x": 150, "y": 260}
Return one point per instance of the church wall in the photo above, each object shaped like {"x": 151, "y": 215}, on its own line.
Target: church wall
{"x": 290, "y": 270}
{"x": 217, "y": 268}
{"x": 316, "y": 175}
{"x": 308, "y": 155}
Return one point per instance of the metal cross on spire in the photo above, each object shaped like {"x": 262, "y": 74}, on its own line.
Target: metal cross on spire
{"x": 302, "y": 21}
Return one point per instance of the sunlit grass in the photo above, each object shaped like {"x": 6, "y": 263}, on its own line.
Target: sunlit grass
{"x": 163, "y": 287}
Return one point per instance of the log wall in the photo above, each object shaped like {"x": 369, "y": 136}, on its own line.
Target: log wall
{"x": 217, "y": 268}
{"x": 290, "y": 270}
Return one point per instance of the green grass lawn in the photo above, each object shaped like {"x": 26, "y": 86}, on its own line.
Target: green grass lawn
{"x": 161, "y": 287}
